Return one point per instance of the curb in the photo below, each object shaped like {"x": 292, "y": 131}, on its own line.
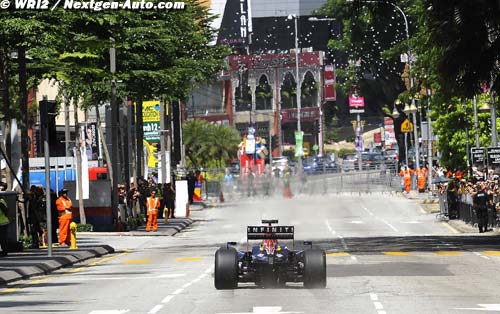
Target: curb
{"x": 30, "y": 263}
{"x": 174, "y": 226}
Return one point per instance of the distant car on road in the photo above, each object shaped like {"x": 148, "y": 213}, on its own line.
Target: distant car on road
{"x": 372, "y": 160}
{"x": 350, "y": 162}
{"x": 319, "y": 164}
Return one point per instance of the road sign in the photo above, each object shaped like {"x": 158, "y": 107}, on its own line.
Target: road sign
{"x": 477, "y": 155}
{"x": 494, "y": 156}
{"x": 406, "y": 126}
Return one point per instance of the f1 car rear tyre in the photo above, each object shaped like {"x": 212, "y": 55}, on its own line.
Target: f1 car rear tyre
{"x": 314, "y": 269}
{"x": 226, "y": 268}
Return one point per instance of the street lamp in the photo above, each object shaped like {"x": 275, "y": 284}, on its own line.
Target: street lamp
{"x": 299, "y": 87}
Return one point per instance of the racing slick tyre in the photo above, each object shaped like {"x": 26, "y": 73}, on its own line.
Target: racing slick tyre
{"x": 314, "y": 269}
{"x": 226, "y": 268}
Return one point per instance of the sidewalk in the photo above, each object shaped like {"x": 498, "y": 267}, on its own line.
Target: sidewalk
{"x": 35, "y": 262}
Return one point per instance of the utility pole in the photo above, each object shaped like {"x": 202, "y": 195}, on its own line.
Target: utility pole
{"x": 23, "y": 100}
{"x": 114, "y": 131}
{"x": 429, "y": 139}
{"x": 162, "y": 142}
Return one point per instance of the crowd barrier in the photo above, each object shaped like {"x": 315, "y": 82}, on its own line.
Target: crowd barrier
{"x": 461, "y": 208}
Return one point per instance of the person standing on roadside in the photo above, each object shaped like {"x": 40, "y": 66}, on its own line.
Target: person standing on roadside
{"x": 64, "y": 205}
{"x": 152, "y": 204}
{"x": 4, "y": 225}
{"x": 480, "y": 204}
{"x": 169, "y": 196}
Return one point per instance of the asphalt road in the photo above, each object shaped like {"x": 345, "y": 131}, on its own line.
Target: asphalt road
{"x": 384, "y": 255}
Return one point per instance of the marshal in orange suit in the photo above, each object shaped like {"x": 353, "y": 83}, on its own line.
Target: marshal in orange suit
{"x": 63, "y": 204}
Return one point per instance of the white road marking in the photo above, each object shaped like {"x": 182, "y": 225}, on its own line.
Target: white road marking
{"x": 335, "y": 233}
{"x": 411, "y": 222}
{"x": 378, "y": 305}
{"x": 176, "y": 292}
{"x": 209, "y": 270}
{"x": 110, "y": 312}
{"x": 373, "y": 296}
{"x": 227, "y": 226}
{"x": 167, "y": 299}
{"x": 155, "y": 309}
{"x": 328, "y": 225}
{"x": 357, "y": 222}
{"x": 354, "y": 258}
{"x": 481, "y": 255}
{"x": 265, "y": 310}
{"x": 368, "y": 211}
{"x": 483, "y": 307}
{"x": 387, "y": 223}
{"x": 187, "y": 284}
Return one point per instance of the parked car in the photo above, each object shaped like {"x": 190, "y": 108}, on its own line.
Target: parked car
{"x": 372, "y": 160}
{"x": 317, "y": 164}
{"x": 350, "y": 162}
{"x": 391, "y": 154}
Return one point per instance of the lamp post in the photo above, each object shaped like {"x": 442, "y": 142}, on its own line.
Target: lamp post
{"x": 429, "y": 139}
{"x": 469, "y": 172}
{"x": 299, "y": 87}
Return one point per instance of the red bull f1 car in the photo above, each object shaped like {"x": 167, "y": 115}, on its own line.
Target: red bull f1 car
{"x": 269, "y": 264}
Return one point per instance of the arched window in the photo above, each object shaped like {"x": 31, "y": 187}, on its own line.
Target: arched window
{"x": 288, "y": 92}
{"x": 263, "y": 95}
{"x": 309, "y": 95}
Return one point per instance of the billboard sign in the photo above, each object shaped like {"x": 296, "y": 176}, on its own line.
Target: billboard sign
{"x": 329, "y": 76}
{"x": 89, "y": 140}
{"x": 477, "y": 156}
{"x": 494, "y": 156}
{"x": 151, "y": 120}
{"x": 356, "y": 104}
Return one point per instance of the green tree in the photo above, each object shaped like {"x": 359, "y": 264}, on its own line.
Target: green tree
{"x": 209, "y": 144}
{"x": 467, "y": 34}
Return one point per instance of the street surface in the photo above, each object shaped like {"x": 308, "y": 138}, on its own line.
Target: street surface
{"x": 384, "y": 255}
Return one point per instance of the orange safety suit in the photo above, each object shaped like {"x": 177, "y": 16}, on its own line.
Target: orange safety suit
{"x": 406, "y": 174}
{"x": 421, "y": 175}
{"x": 152, "y": 204}
{"x": 63, "y": 204}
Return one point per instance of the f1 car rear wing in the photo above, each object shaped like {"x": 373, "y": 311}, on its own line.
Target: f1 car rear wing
{"x": 270, "y": 232}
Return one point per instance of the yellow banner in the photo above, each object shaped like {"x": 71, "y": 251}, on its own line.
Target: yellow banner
{"x": 151, "y": 150}
{"x": 151, "y": 111}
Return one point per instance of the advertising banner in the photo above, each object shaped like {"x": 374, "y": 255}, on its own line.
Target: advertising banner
{"x": 329, "y": 75}
{"x": 299, "y": 136}
{"x": 477, "y": 156}
{"x": 151, "y": 120}
{"x": 89, "y": 140}
{"x": 389, "y": 133}
{"x": 236, "y": 24}
{"x": 356, "y": 104}
{"x": 494, "y": 156}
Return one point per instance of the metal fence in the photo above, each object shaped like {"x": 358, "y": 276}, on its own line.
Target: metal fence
{"x": 462, "y": 209}
{"x": 307, "y": 184}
